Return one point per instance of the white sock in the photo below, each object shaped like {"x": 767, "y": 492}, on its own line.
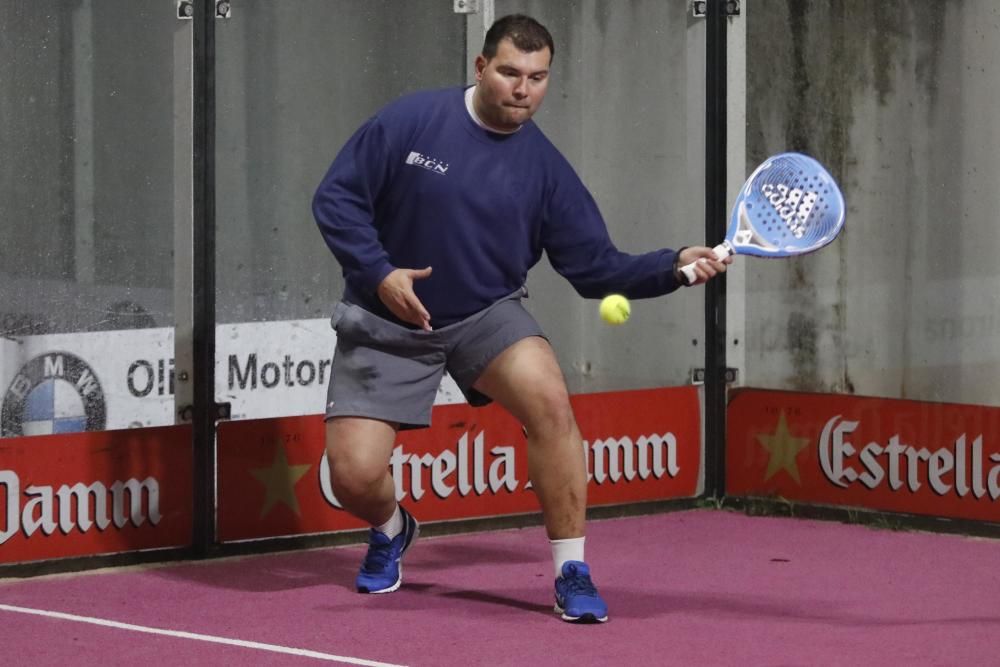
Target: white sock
{"x": 394, "y": 526}
{"x": 564, "y": 550}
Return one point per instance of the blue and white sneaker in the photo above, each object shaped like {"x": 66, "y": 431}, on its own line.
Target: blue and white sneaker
{"x": 576, "y": 598}
{"x": 382, "y": 569}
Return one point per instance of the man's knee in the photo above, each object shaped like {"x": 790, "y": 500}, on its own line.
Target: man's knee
{"x": 551, "y": 413}
{"x": 353, "y": 479}
{"x": 358, "y": 456}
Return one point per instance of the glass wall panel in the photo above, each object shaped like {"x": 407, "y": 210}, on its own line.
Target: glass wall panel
{"x": 89, "y": 96}
{"x": 626, "y": 107}
{"x": 294, "y": 80}
{"x": 895, "y": 98}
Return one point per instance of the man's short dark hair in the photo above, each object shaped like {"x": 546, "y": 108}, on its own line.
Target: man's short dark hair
{"x": 526, "y": 33}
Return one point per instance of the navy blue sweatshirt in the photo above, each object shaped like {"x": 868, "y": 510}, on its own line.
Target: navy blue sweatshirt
{"x": 421, "y": 184}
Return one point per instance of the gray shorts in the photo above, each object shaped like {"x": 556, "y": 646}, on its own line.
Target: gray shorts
{"x": 385, "y": 371}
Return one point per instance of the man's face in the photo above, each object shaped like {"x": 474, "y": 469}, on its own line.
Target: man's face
{"x": 510, "y": 85}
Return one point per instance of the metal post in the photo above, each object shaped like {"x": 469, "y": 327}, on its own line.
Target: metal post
{"x": 715, "y": 227}
{"x": 203, "y": 330}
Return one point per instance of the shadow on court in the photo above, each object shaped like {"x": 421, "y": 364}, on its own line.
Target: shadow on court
{"x": 276, "y": 572}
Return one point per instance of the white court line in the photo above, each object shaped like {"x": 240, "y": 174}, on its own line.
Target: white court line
{"x": 192, "y": 635}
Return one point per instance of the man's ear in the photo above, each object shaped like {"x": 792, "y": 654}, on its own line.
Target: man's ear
{"x": 480, "y": 66}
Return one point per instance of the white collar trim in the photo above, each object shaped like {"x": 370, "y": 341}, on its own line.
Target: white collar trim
{"x": 469, "y": 93}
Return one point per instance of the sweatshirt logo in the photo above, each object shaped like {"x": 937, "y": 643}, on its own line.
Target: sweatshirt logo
{"x": 427, "y": 162}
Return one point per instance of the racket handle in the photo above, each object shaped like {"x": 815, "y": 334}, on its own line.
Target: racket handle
{"x": 721, "y": 252}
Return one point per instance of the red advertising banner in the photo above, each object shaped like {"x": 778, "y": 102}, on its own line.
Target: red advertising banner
{"x": 472, "y": 462}
{"x": 100, "y": 492}
{"x": 934, "y": 459}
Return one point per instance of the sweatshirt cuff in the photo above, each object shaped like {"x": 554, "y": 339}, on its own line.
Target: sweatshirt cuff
{"x": 679, "y": 277}
{"x": 372, "y": 277}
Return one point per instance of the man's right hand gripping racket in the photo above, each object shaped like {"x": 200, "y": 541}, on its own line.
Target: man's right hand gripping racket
{"x": 789, "y": 206}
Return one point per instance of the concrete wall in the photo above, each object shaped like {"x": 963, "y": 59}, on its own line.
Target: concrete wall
{"x": 896, "y": 98}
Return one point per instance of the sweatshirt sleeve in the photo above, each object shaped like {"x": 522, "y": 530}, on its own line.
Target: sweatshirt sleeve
{"x": 344, "y": 206}
{"x": 576, "y": 240}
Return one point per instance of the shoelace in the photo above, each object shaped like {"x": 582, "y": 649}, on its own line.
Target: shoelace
{"x": 580, "y": 584}
{"x": 377, "y": 558}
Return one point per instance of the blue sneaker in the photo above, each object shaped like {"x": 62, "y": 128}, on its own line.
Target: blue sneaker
{"x": 576, "y": 598}
{"x": 382, "y": 569}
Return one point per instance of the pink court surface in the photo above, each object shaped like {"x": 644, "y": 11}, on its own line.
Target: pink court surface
{"x": 698, "y": 587}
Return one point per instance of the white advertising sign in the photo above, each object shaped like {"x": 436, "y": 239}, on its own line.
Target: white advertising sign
{"x": 125, "y": 379}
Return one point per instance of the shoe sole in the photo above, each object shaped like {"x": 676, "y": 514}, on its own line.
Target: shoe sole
{"x": 395, "y": 586}
{"x": 399, "y": 580}
{"x": 586, "y": 618}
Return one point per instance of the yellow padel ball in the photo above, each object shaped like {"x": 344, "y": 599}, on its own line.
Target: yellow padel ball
{"x": 615, "y": 309}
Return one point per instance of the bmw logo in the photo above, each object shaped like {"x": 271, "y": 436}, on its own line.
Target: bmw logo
{"x": 56, "y": 392}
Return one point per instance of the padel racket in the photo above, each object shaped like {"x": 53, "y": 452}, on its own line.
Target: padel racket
{"x": 789, "y": 206}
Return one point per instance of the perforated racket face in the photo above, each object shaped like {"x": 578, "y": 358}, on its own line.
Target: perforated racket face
{"x": 790, "y": 205}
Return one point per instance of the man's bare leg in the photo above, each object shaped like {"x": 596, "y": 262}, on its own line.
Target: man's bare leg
{"x": 358, "y": 451}
{"x": 527, "y": 381}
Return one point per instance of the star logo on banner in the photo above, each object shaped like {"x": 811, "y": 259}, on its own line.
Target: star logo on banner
{"x": 783, "y": 448}
{"x": 279, "y": 482}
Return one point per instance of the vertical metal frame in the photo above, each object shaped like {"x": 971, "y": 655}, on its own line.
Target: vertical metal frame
{"x": 203, "y": 282}
{"x": 715, "y": 222}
